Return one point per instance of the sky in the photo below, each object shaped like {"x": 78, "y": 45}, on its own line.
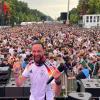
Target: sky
{"x": 51, "y": 8}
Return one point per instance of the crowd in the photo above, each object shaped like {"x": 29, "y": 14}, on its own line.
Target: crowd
{"x": 77, "y": 47}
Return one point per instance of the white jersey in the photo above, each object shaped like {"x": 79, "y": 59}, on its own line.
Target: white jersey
{"x": 38, "y": 77}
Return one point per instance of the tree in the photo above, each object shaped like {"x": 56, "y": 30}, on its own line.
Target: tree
{"x": 82, "y": 7}
{"x": 19, "y": 11}
{"x": 98, "y": 7}
{"x": 94, "y": 6}
{"x": 74, "y": 16}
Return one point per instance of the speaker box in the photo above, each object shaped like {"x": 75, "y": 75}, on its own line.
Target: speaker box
{"x": 63, "y": 16}
{"x": 4, "y": 74}
{"x": 11, "y": 90}
{"x": 92, "y": 86}
{"x": 79, "y": 96}
{"x": 4, "y": 70}
{"x": 2, "y": 90}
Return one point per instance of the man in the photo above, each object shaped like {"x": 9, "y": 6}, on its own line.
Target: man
{"x": 38, "y": 74}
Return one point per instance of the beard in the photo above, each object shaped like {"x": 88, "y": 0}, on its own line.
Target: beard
{"x": 38, "y": 60}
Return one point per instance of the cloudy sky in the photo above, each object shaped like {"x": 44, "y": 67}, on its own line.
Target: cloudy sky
{"x": 51, "y": 8}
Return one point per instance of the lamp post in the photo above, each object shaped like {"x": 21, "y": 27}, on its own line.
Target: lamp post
{"x": 2, "y": 13}
{"x": 68, "y": 11}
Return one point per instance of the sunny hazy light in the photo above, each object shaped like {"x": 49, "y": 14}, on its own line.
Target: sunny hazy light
{"x": 52, "y": 8}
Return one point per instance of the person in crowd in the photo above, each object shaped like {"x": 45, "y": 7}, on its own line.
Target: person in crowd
{"x": 26, "y": 61}
{"x": 38, "y": 74}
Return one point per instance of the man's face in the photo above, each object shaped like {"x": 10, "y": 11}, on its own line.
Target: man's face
{"x": 38, "y": 52}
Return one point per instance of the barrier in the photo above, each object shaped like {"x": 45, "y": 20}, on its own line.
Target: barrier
{"x": 68, "y": 84}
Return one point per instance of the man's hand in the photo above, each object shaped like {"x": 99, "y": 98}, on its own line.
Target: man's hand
{"x": 20, "y": 80}
{"x": 56, "y": 73}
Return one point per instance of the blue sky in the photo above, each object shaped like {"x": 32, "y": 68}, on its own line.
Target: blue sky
{"x": 51, "y": 8}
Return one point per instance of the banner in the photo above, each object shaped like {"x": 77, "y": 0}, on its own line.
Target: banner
{"x": 6, "y": 8}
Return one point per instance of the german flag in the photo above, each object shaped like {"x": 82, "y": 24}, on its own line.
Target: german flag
{"x": 51, "y": 70}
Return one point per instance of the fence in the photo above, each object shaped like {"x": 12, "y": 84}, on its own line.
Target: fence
{"x": 68, "y": 83}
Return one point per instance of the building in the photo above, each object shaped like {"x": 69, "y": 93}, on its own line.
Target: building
{"x": 90, "y": 21}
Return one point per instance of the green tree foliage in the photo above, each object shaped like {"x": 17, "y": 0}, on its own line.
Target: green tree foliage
{"x": 74, "y": 16}
{"x": 20, "y": 12}
{"x": 94, "y": 7}
{"x": 84, "y": 7}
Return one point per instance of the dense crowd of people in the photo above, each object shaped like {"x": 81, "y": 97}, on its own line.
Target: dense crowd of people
{"x": 76, "y": 47}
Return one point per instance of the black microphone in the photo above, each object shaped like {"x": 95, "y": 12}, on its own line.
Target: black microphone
{"x": 60, "y": 69}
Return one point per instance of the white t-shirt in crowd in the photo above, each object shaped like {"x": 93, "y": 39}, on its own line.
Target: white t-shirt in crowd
{"x": 11, "y": 51}
{"x": 23, "y": 55}
{"x": 38, "y": 77}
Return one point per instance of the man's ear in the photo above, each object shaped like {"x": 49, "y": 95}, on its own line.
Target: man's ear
{"x": 44, "y": 59}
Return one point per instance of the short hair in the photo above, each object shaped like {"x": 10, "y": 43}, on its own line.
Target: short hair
{"x": 38, "y": 42}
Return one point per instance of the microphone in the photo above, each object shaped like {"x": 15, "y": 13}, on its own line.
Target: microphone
{"x": 59, "y": 69}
